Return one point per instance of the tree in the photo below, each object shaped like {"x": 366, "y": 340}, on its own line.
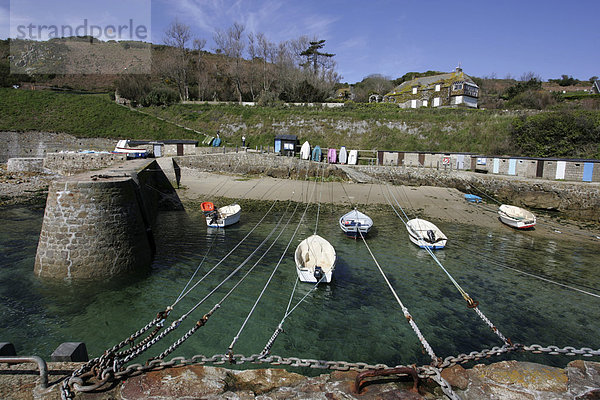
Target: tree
{"x": 314, "y": 56}
{"x": 593, "y": 79}
{"x": 177, "y": 36}
{"x": 231, "y": 44}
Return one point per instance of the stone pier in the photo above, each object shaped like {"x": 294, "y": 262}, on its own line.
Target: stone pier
{"x": 99, "y": 223}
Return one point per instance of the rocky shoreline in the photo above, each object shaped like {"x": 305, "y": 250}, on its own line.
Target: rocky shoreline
{"x": 502, "y": 380}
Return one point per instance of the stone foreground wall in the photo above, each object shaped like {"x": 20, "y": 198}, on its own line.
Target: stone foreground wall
{"x": 74, "y": 163}
{"x": 95, "y": 228}
{"x": 38, "y": 144}
{"x": 501, "y": 380}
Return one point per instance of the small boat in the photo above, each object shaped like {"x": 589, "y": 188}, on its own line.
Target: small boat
{"x": 221, "y": 217}
{"x": 305, "y": 151}
{"x": 516, "y": 217}
{"x": 471, "y": 198}
{"x": 353, "y": 157}
{"x": 343, "y": 155}
{"x": 216, "y": 142}
{"x": 332, "y": 156}
{"x": 354, "y": 222}
{"x": 131, "y": 152}
{"x": 425, "y": 234}
{"x": 315, "y": 260}
{"x": 316, "y": 154}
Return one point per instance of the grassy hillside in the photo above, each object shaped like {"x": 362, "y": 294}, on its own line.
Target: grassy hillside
{"x": 561, "y": 133}
{"x": 80, "y": 115}
{"x": 364, "y": 126}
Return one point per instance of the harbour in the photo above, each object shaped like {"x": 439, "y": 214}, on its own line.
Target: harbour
{"x": 335, "y": 320}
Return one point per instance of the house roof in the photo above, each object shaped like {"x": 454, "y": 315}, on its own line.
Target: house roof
{"x": 447, "y": 78}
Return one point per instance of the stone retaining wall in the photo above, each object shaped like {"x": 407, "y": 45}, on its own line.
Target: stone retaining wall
{"x": 38, "y": 144}
{"x": 28, "y": 164}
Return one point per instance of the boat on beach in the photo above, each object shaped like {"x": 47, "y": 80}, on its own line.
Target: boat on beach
{"x": 221, "y": 217}
{"x": 516, "y": 217}
{"x": 343, "y": 156}
{"x": 353, "y": 157}
{"x": 316, "y": 154}
{"x": 354, "y": 222}
{"x": 315, "y": 260}
{"x": 305, "y": 151}
{"x": 332, "y": 156}
{"x": 131, "y": 152}
{"x": 425, "y": 234}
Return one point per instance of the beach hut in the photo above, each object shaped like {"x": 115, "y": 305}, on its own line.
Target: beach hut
{"x": 286, "y": 144}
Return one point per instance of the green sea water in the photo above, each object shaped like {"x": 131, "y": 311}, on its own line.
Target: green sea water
{"x": 355, "y": 318}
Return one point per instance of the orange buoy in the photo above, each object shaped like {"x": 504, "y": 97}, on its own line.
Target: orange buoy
{"x": 207, "y": 206}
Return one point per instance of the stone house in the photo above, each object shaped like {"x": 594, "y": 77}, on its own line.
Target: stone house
{"x": 453, "y": 89}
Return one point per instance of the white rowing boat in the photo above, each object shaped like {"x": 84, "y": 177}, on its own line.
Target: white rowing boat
{"x": 315, "y": 260}
{"x": 354, "y": 222}
{"x": 223, "y": 216}
{"x": 425, "y": 234}
{"x": 516, "y": 217}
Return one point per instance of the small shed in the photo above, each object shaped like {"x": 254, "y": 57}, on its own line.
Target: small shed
{"x": 286, "y": 144}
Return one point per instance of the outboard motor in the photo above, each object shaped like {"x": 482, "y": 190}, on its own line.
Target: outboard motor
{"x": 214, "y": 215}
{"x": 318, "y": 273}
{"x": 431, "y": 236}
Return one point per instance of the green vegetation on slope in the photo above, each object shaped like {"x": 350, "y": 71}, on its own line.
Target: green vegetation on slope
{"x": 80, "y": 115}
{"x": 364, "y": 126}
{"x": 564, "y": 133}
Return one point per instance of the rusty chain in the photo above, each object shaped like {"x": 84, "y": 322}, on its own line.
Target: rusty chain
{"x": 76, "y": 381}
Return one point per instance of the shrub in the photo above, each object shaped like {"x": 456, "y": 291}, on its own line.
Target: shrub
{"x": 566, "y": 133}
{"x": 160, "y": 96}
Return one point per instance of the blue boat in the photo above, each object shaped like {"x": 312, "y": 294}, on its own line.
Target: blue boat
{"x": 316, "y": 154}
{"x": 471, "y": 198}
{"x": 216, "y": 142}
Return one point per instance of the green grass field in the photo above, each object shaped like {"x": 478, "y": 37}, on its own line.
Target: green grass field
{"x": 81, "y": 115}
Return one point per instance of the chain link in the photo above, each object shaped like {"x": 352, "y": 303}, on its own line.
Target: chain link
{"x": 433, "y": 372}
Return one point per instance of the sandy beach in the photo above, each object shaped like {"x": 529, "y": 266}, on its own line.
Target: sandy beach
{"x": 435, "y": 203}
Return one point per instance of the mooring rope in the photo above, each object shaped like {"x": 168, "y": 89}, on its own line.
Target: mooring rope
{"x": 470, "y": 302}
{"x": 405, "y": 311}
{"x": 227, "y": 255}
{"x": 236, "y": 337}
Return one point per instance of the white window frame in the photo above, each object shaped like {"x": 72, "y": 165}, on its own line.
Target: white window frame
{"x": 437, "y": 101}
{"x": 413, "y": 104}
{"x": 438, "y": 87}
{"x": 424, "y": 103}
{"x": 414, "y": 90}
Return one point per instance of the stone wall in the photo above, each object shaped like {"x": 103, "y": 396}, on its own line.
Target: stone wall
{"x": 74, "y": 163}
{"x": 38, "y": 144}
{"x": 578, "y": 200}
{"x": 26, "y": 164}
{"x": 258, "y": 164}
{"x": 96, "y": 227}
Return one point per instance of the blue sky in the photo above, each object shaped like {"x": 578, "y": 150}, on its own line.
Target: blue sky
{"x": 508, "y": 37}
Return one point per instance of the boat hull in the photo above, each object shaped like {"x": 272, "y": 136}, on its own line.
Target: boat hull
{"x": 419, "y": 230}
{"x": 355, "y": 223}
{"x": 513, "y": 223}
{"x": 315, "y": 260}
{"x": 423, "y": 244}
{"x": 516, "y": 217}
{"x": 224, "y": 218}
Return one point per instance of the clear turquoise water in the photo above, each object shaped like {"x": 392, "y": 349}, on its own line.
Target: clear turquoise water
{"x": 355, "y": 318}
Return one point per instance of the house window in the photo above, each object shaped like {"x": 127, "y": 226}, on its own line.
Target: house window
{"x": 424, "y": 103}
{"x": 288, "y": 146}
{"x": 414, "y": 90}
{"x": 457, "y": 86}
{"x": 413, "y": 104}
{"x": 438, "y": 87}
{"x": 436, "y": 102}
